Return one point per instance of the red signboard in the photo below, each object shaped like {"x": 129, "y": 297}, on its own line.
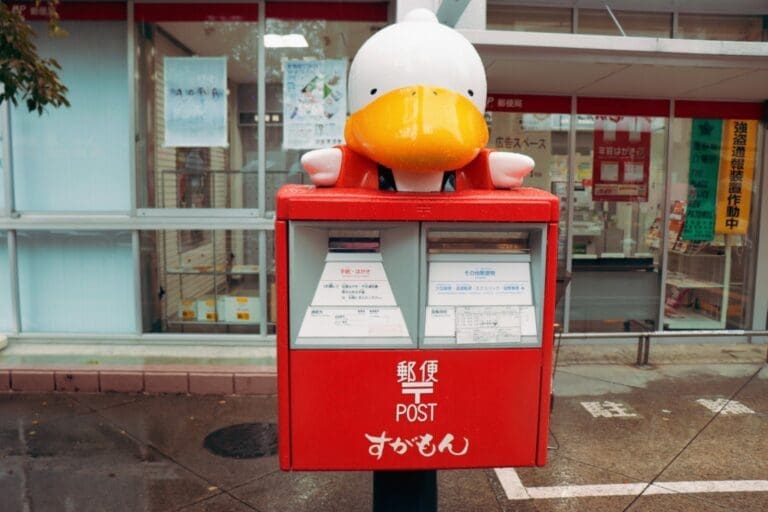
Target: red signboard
{"x": 621, "y": 160}
{"x": 414, "y": 409}
{"x": 528, "y": 103}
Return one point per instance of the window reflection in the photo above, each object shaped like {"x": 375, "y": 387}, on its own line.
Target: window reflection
{"x": 212, "y": 286}
{"x": 174, "y": 170}
{"x": 327, "y": 41}
{"x": 617, "y": 198}
{"x": 712, "y": 224}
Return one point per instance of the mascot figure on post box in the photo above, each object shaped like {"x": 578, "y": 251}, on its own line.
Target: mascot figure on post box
{"x": 417, "y": 93}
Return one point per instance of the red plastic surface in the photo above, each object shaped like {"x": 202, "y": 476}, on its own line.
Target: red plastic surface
{"x": 487, "y": 400}
{"x": 305, "y": 202}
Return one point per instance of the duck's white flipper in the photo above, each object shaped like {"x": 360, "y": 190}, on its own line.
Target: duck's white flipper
{"x": 509, "y": 169}
{"x": 322, "y": 165}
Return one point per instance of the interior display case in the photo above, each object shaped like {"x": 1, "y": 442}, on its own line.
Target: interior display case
{"x": 698, "y": 286}
{"x": 210, "y": 281}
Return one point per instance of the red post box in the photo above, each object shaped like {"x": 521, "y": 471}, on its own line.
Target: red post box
{"x": 415, "y": 331}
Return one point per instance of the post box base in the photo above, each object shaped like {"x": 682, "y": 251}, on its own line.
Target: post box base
{"x": 405, "y": 491}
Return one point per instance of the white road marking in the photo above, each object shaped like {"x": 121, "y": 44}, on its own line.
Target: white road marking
{"x": 608, "y": 409}
{"x": 511, "y": 483}
{"x": 515, "y": 490}
{"x": 725, "y": 407}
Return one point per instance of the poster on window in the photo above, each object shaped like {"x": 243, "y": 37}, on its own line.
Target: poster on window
{"x": 737, "y": 168}
{"x": 706, "y": 135}
{"x": 513, "y": 132}
{"x": 195, "y": 101}
{"x": 314, "y": 103}
{"x": 622, "y": 156}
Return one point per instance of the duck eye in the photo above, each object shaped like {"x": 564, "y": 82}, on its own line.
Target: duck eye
{"x": 373, "y": 91}
{"x": 471, "y": 92}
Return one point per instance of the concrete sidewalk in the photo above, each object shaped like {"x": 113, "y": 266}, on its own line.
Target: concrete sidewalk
{"x": 673, "y": 437}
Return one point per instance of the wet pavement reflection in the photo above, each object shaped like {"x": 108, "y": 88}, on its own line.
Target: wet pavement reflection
{"x": 676, "y": 437}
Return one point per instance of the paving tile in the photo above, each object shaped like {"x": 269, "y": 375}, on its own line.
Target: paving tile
{"x": 121, "y": 382}
{"x": 570, "y": 383}
{"x": 84, "y": 463}
{"x": 219, "y": 503}
{"x": 177, "y": 426}
{"x": 248, "y": 384}
{"x": 84, "y": 382}
{"x": 732, "y": 447}
{"x": 5, "y": 380}
{"x": 22, "y": 410}
{"x": 32, "y": 381}
{"x": 309, "y": 492}
{"x": 466, "y": 490}
{"x": 679, "y": 503}
{"x": 211, "y": 384}
{"x": 561, "y": 470}
{"x": 667, "y": 418}
{"x": 100, "y": 401}
{"x": 166, "y": 382}
{"x": 12, "y": 481}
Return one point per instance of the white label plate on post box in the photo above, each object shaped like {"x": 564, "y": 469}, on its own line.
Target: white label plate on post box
{"x": 479, "y": 284}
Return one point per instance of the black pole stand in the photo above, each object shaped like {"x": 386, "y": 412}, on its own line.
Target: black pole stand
{"x": 405, "y": 491}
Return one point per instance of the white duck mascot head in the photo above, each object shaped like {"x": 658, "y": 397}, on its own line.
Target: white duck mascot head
{"x": 417, "y": 93}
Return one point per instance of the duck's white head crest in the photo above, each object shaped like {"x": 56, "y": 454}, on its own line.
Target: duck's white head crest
{"x": 416, "y": 51}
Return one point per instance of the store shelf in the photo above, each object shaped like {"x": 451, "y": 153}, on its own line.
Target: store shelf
{"x": 209, "y": 324}
{"x": 691, "y": 283}
{"x": 241, "y": 270}
{"x": 690, "y": 319}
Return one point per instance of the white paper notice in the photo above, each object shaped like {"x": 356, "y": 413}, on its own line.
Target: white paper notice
{"x": 634, "y": 172}
{"x": 479, "y": 284}
{"x": 320, "y": 322}
{"x": 609, "y": 171}
{"x": 195, "y": 101}
{"x": 359, "y": 283}
{"x": 440, "y": 321}
{"x": 528, "y": 321}
{"x": 488, "y": 324}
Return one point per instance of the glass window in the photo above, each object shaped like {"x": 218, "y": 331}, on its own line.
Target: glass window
{"x": 315, "y": 113}
{"x": 529, "y": 19}
{"x": 617, "y": 197}
{"x": 641, "y": 24}
{"x": 2, "y": 161}
{"x": 203, "y": 281}
{"x": 543, "y": 137}
{"x": 722, "y": 27}
{"x": 5, "y": 285}
{"x": 196, "y": 88}
{"x": 76, "y": 158}
{"x": 78, "y": 281}
{"x": 712, "y": 224}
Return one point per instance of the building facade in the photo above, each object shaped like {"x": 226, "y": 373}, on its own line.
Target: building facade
{"x": 133, "y": 241}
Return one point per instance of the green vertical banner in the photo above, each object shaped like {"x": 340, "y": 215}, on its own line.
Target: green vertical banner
{"x": 706, "y": 139}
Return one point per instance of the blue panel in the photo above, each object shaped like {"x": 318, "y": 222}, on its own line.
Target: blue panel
{"x": 76, "y": 159}
{"x": 5, "y": 288}
{"x": 76, "y": 282}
